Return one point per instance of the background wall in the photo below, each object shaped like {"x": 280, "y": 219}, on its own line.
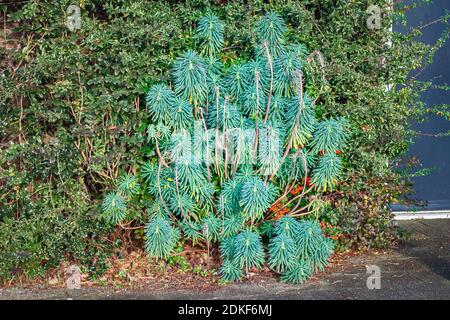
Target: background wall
{"x": 433, "y": 152}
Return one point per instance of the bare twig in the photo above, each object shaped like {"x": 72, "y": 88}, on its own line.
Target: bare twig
{"x": 269, "y": 59}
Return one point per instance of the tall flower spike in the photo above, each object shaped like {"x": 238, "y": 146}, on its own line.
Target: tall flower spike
{"x": 190, "y": 73}
{"x": 271, "y": 29}
{"x": 210, "y": 29}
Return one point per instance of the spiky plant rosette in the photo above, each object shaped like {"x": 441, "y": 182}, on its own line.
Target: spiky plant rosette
{"x": 230, "y": 271}
{"x": 298, "y": 273}
{"x": 248, "y": 251}
{"x": 229, "y": 140}
{"x": 282, "y": 253}
{"x": 210, "y": 30}
{"x": 114, "y": 208}
{"x": 298, "y": 248}
{"x": 312, "y": 246}
{"x": 161, "y": 238}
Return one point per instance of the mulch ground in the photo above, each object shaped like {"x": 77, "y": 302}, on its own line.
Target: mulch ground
{"x": 190, "y": 269}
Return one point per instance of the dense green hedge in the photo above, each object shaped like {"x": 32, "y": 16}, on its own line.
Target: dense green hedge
{"x": 72, "y": 104}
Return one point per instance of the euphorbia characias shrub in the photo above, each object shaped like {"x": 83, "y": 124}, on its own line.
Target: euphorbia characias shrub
{"x": 241, "y": 157}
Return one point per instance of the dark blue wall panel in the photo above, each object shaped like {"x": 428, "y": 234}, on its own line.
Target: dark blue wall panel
{"x": 433, "y": 152}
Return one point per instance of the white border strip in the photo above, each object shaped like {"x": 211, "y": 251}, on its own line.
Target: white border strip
{"x": 409, "y": 215}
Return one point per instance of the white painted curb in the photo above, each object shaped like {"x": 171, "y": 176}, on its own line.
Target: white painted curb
{"x": 438, "y": 214}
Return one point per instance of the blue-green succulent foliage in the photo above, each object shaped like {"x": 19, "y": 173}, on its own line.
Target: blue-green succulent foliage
{"x": 194, "y": 188}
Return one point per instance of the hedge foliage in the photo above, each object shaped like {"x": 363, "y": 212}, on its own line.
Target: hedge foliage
{"x": 72, "y": 106}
